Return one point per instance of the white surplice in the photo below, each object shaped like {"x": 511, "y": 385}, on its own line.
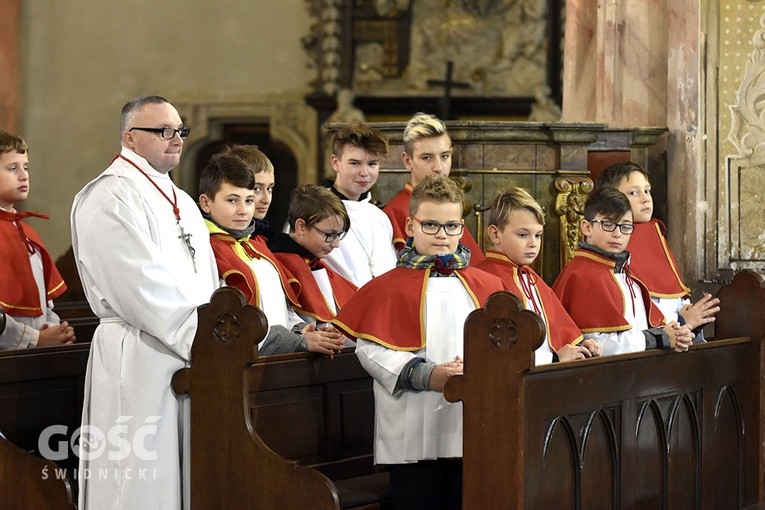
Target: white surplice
{"x": 367, "y": 250}
{"x": 418, "y": 425}
{"x": 139, "y": 279}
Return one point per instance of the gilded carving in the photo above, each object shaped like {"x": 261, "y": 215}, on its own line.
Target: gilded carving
{"x": 570, "y": 196}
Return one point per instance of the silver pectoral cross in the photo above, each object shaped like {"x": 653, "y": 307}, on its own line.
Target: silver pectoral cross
{"x": 186, "y": 238}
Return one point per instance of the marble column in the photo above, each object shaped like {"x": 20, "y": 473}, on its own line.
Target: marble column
{"x": 10, "y": 65}
{"x": 615, "y": 68}
{"x": 636, "y": 63}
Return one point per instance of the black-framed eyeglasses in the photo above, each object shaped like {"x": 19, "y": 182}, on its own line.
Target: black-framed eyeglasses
{"x": 166, "y": 132}
{"x": 330, "y": 237}
{"x": 453, "y": 228}
{"x": 610, "y": 226}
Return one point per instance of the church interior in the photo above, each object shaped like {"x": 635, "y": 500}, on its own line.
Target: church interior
{"x": 541, "y": 94}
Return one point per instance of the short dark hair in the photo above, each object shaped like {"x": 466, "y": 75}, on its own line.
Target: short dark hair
{"x": 358, "y": 134}
{"x": 313, "y": 203}
{"x": 225, "y": 168}
{"x": 134, "y": 105}
{"x": 611, "y": 177}
{"x": 610, "y": 202}
{"x": 438, "y": 189}
{"x": 12, "y": 143}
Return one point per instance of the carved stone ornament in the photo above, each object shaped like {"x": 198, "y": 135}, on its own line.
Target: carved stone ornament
{"x": 747, "y": 131}
{"x": 741, "y": 236}
{"x": 227, "y": 328}
{"x": 570, "y": 195}
{"x": 323, "y": 44}
{"x": 503, "y": 333}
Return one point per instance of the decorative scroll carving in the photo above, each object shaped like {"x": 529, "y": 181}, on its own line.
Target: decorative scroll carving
{"x": 570, "y": 195}
{"x": 747, "y": 132}
{"x": 744, "y": 171}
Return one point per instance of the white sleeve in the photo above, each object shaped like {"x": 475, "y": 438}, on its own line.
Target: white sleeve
{"x": 51, "y": 317}
{"x": 18, "y": 335}
{"x": 632, "y": 340}
{"x": 383, "y": 364}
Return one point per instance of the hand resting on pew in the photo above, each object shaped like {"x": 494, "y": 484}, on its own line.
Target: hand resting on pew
{"x": 57, "y": 334}
{"x": 443, "y": 372}
{"x": 327, "y": 340}
{"x": 586, "y": 349}
{"x": 680, "y": 337}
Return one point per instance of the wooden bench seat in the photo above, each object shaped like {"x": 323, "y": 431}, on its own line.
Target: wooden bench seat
{"x": 645, "y": 430}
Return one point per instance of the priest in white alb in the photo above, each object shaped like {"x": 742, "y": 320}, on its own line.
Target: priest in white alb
{"x": 144, "y": 257}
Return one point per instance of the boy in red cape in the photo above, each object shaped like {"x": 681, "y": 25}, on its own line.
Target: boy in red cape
{"x": 409, "y": 328}
{"x": 596, "y": 288}
{"x": 516, "y": 223}
{"x": 318, "y": 221}
{"x": 651, "y": 259}
{"x": 427, "y": 151}
{"x": 236, "y": 189}
{"x": 30, "y": 280}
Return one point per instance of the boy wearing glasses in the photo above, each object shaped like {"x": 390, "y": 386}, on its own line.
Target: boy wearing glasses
{"x": 412, "y": 344}
{"x": 234, "y": 200}
{"x": 318, "y": 222}
{"x": 597, "y": 289}
{"x": 427, "y": 151}
{"x": 367, "y": 250}
{"x": 516, "y": 223}
{"x": 652, "y": 260}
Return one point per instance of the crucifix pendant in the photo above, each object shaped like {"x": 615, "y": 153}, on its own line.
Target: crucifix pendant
{"x": 186, "y": 238}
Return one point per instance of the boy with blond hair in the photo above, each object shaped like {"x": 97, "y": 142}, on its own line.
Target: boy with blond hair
{"x": 516, "y": 224}
{"x": 427, "y": 151}
{"x": 235, "y": 192}
{"x": 413, "y": 343}
{"x": 30, "y": 280}
{"x": 318, "y": 222}
{"x": 599, "y": 292}
{"x": 652, "y": 260}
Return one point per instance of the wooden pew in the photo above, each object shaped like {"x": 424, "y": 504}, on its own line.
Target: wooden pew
{"x": 592, "y": 436}
{"x": 39, "y": 388}
{"x": 257, "y": 424}
{"x": 639, "y": 431}
{"x": 31, "y": 482}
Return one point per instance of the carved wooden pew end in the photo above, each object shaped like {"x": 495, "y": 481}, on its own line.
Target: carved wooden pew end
{"x": 31, "y": 482}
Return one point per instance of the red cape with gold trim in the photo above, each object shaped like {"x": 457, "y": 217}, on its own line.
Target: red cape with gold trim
{"x": 588, "y": 290}
{"x": 397, "y": 211}
{"x": 311, "y": 301}
{"x": 652, "y": 261}
{"x": 236, "y": 273}
{"x": 19, "y": 295}
{"x": 390, "y": 309}
{"x": 561, "y": 327}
